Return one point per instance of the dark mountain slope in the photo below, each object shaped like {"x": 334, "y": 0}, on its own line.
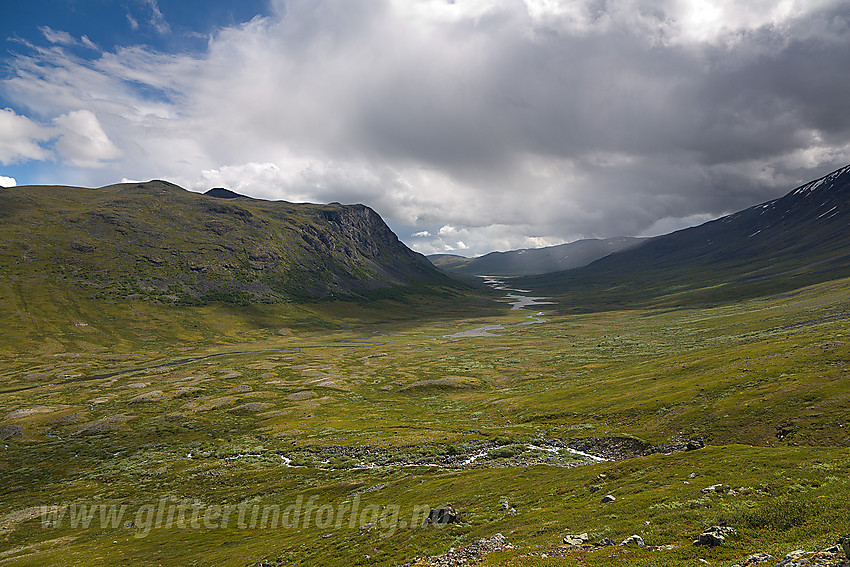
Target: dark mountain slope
{"x": 798, "y": 239}
{"x": 159, "y": 241}
{"x": 530, "y": 261}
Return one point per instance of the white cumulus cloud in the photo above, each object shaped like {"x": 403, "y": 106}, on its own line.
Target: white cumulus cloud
{"x": 82, "y": 141}
{"x": 21, "y": 138}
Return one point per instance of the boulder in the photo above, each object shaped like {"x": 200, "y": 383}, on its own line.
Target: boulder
{"x": 444, "y": 515}
{"x": 710, "y": 539}
{"x": 634, "y": 540}
{"x": 694, "y": 444}
{"x": 754, "y": 559}
{"x": 715, "y": 535}
{"x": 607, "y": 498}
{"x": 579, "y": 539}
{"x": 604, "y": 542}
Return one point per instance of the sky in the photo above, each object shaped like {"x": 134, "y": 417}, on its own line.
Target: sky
{"x": 469, "y": 125}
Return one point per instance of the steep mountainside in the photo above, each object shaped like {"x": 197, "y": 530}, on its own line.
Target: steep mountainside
{"x": 159, "y": 241}
{"x": 530, "y": 261}
{"x": 798, "y": 239}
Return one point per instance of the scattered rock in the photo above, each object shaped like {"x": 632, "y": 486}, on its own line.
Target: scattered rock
{"x": 715, "y": 535}
{"x": 579, "y": 539}
{"x": 365, "y": 529}
{"x": 794, "y": 559}
{"x": 693, "y": 475}
{"x": 11, "y": 432}
{"x": 633, "y": 540}
{"x": 607, "y": 498}
{"x": 444, "y": 515}
{"x": 716, "y": 488}
{"x": 469, "y": 555}
{"x": 755, "y": 559}
{"x": 605, "y": 542}
{"x": 694, "y": 444}
{"x": 827, "y": 558}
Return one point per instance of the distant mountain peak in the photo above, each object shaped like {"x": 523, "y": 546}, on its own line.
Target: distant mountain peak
{"x": 826, "y": 182}
{"x": 222, "y": 193}
{"x": 530, "y": 261}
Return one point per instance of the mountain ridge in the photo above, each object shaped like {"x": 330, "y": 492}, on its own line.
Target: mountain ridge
{"x": 157, "y": 240}
{"x": 535, "y": 261}
{"x": 797, "y": 239}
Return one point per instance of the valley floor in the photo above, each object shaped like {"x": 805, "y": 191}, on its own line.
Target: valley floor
{"x": 243, "y": 438}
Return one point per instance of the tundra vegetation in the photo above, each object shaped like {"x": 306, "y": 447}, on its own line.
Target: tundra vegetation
{"x": 130, "y": 403}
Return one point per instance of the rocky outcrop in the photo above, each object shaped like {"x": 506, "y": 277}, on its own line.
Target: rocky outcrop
{"x": 835, "y": 556}
{"x": 469, "y": 555}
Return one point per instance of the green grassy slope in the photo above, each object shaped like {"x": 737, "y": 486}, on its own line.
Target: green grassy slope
{"x": 159, "y": 242}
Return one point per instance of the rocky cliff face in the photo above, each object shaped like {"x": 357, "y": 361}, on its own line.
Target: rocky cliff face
{"x": 155, "y": 240}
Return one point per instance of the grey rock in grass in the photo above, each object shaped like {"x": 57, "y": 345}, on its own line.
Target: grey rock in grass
{"x": 717, "y": 488}
{"x": 754, "y": 559}
{"x": 444, "y": 515}
{"x": 694, "y": 444}
{"x": 715, "y": 535}
{"x": 633, "y": 540}
{"x": 605, "y": 542}
{"x": 579, "y": 539}
{"x": 709, "y": 539}
{"x": 607, "y": 498}
{"x": 794, "y": 559}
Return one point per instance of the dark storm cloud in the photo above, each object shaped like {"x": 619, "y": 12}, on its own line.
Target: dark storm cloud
{"x": 485, "y": 125}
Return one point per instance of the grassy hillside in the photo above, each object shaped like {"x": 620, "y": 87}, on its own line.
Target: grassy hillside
{"x": 158, "y": 242}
